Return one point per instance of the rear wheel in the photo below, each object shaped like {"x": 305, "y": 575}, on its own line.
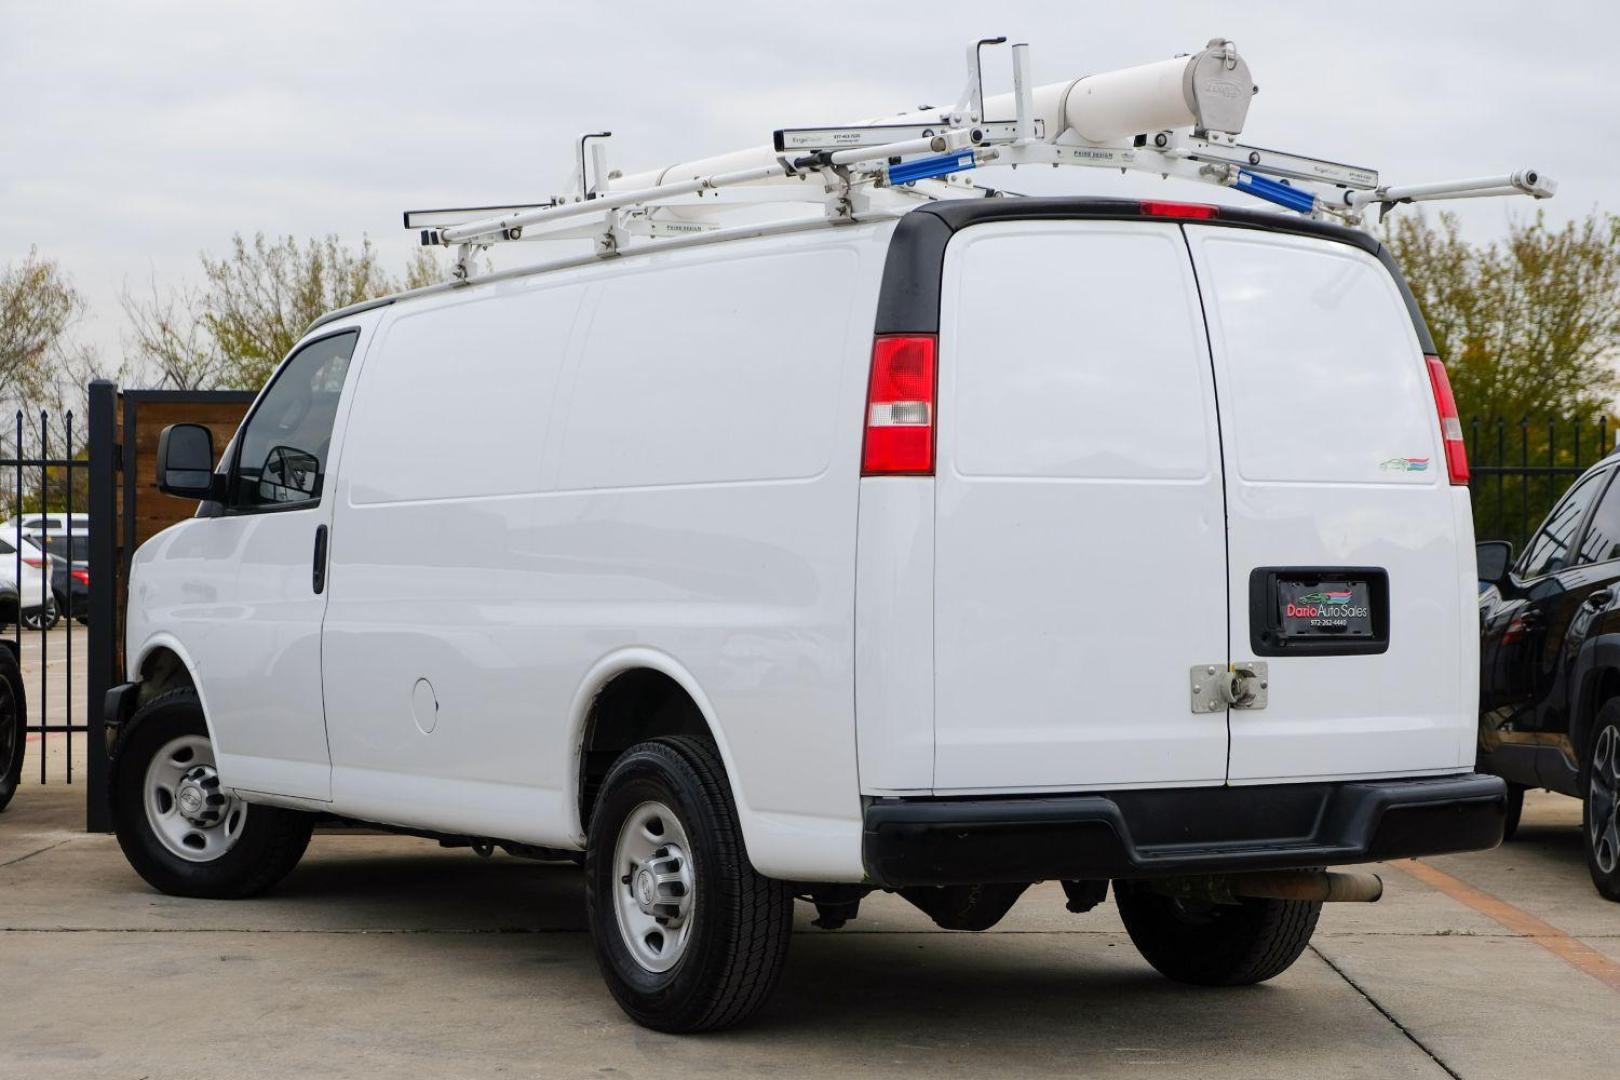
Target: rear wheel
{"x": 688, "y": 935}
{"x": 44, "y": 617}
{"x": 1210, "y": 944}
{"x": 179, "y": 829}
{"x": 1600, "y": 814}
{"x": 13, "y": 726}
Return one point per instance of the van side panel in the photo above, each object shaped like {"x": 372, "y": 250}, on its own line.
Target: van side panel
{"x": 444, "y": 452}
{"x": 894, "y": 635}
{"x": 682, "y": 482}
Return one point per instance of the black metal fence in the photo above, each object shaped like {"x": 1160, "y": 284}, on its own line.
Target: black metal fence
{"x": 1518, "y": 469}
{"x": 44, "y": 576}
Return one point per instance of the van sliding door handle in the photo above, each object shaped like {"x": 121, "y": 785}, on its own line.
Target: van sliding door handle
{"x": 319, "y": 580}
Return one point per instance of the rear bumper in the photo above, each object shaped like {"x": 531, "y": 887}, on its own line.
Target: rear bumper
{"x": 1133, "y": 834}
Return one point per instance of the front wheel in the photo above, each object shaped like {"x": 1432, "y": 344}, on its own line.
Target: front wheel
{"x": 179, "y": 828}
{"x": 1209, "y": 944}
{"x": 688, "y": 935}
{"x": 1600, "y": 813}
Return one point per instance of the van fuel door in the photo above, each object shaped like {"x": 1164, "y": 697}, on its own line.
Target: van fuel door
{"x": 1218, "y": 687}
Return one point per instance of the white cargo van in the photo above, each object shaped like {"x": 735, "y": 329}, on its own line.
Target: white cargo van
{"x": 999, "y": 541}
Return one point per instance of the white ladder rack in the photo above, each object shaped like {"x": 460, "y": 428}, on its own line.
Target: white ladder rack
{"x": 865, "y": 169}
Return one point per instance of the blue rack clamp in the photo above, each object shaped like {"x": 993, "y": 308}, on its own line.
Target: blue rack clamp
{"x": 1275, "y": 192}
{"x": 929, "y": 167}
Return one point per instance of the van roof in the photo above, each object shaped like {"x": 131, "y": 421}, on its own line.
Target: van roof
{"x": 909, "y": 302}
{"x": 909, "y": 299}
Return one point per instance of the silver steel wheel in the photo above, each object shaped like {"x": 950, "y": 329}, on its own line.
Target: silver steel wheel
{"x": 1603, "y": 801}
{"x": 188, "y": 812}
{"x": 654, "y": 889}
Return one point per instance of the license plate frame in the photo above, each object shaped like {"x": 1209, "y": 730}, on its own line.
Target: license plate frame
{"x": 1318, "y": 610}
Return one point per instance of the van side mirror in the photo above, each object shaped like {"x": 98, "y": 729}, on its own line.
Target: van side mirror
{"x": 185, "y": 461}
{"x": 1493, "y": 557}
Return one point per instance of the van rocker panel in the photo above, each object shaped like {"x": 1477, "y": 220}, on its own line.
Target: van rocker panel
{"x": 1152, "y": 833}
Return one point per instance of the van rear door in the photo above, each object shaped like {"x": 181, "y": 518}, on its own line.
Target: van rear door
{"x": 1080, "y": 563}
{"x": 1346, "y": 540}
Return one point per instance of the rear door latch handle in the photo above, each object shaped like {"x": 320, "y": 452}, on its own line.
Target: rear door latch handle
{"x": 319, "y": 577}
{"x": 1219, "y": 687}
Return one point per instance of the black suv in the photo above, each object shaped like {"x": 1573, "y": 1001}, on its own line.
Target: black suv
{"x": 1549, "y": 695}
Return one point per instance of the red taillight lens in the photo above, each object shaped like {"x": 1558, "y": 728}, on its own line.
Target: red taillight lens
{"x": 82, "y": 577}
{"x": 900, "y": 407}
{"x": 37, "y": 564}
{"x": 1198, "y": 211}
{"x": 1450, "y": 422}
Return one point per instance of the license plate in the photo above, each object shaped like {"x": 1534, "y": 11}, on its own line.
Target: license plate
{"x": 1317, "y": 608}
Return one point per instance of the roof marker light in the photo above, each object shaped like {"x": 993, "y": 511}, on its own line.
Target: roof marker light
{"x": 1196, "y": 211}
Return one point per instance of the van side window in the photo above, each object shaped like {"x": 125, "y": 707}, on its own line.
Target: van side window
{"x": 1549, "y": 552}
{"x": 282, "y": 450}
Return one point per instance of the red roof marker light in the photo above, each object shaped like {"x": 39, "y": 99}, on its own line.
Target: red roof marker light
{"x": 1196, "y": 211}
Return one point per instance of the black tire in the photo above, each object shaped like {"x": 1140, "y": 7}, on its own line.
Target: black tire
{"x": 740, "y": 922}
{"x": 271, "y": 842}
{"x": 1600, "y": 800}
{"x": 13, "y": 726}
{"x": 1515, "y": 811}
{"x": 1215, "y": 944}
{"x": 44, "y": 618}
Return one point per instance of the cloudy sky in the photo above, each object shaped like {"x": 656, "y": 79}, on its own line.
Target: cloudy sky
{"x": 135, "y": 135}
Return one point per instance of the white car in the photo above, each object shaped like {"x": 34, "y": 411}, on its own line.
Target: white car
{"x": 998, "y": 541}
{"x": 26, "y": 571}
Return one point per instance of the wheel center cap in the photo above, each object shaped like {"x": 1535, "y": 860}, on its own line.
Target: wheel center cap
{"x": 190, "y": 798}
{"x": 645, "y": 890}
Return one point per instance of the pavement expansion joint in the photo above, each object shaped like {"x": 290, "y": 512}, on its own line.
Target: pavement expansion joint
{"x": 1386, "y": 1014}
{"x": 37, "y": 851}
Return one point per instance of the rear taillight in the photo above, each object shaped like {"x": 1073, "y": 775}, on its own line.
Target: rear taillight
{"x": 37, "y": 564}
{"x": 1450, "y": 423}
{"x": 82, "y": 577}
{"x": 900, "y": 407}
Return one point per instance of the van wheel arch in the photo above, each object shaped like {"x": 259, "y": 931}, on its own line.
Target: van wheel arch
{"x": 634, "y": 706}
{"x": 163, "y": 670}
{"x": 1602, "y": 685}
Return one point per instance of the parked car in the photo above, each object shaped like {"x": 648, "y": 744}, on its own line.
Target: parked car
{"x": 913, "y": 554}
{"x": 25, "y": 568}
{"x": 47, "y": 523}
{"x": 13, "y": 716}
{"x": 70, "y": 574}
{"x": 1549, "y": 706}
{"x": 66, "y": 538}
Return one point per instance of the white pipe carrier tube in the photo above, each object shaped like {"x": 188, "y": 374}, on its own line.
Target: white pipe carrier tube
{"x": 1209, "y": 90}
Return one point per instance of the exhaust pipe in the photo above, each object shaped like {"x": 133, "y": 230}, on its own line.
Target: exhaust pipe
{"x": 1323, "y": 886}
{"x": 1327, "y": 886}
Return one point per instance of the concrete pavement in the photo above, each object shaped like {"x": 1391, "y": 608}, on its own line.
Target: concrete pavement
{"x": 386, "y": 956}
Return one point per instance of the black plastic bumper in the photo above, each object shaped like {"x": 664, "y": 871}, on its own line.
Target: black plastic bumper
{"x": 1131, "y": 834}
